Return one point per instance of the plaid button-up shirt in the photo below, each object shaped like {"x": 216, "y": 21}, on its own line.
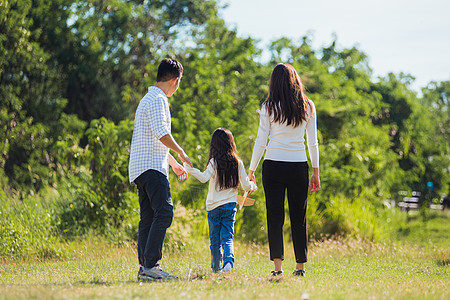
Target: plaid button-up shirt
{"x": 151, "y": 122}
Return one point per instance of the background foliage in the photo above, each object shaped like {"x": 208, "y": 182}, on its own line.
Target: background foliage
{"x": 73, "y": 72}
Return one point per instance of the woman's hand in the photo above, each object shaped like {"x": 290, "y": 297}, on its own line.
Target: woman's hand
{"x": 251, "y": 176}
{"x": 315, "y": 181}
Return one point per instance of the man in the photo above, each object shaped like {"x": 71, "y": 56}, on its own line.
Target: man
{"x": 149, "y": 167}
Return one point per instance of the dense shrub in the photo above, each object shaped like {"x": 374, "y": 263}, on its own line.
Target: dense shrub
{"x": 27, "y": 229}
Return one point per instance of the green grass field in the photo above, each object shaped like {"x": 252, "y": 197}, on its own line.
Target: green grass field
{"x": 411, "y": 268}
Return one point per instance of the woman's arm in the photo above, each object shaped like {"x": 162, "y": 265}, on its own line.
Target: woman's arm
{"x": 313, "y": 148}
{"x": 261, "y": 140}
{"x": 311, "y": 137}
{"x": 201, "y": 176}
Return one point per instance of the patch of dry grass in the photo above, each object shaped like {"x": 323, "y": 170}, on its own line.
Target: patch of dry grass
{"x": 337, "y": 269}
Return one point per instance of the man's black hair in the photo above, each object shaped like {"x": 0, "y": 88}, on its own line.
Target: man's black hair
{"x": 169, "y": 69}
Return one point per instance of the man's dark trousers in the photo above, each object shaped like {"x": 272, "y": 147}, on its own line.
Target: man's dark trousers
{"x": 156, "y": 210}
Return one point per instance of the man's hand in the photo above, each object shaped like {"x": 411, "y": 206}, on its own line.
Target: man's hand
{"x": 180, "y": 171}
{"x": 177, "y": 168}
{"x": 184, "y": 158}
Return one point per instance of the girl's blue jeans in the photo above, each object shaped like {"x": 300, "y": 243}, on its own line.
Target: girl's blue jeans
{"x": 221, "y": 231}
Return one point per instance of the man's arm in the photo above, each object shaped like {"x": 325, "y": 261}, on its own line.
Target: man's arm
{"x": 177, "y": 168}
{"x": 170, "y": 143}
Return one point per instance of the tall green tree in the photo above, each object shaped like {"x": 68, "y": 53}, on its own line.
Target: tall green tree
{"x": 64, "y": 60}
{"x": 108, "y": 50}
{"x": 31, "y": 101}
{"x": 433, "y": 135}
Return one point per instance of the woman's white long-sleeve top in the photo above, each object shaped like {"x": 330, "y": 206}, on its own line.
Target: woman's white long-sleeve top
{"x": 215, "y": 196}
{"x": 286, "y": 143}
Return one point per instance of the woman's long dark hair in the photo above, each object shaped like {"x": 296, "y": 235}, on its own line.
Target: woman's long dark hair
{"x": 223, "y": 151}
{"x": 286, "y": 102}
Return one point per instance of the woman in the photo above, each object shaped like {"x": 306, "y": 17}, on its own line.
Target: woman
{"x": 285, "y": 116}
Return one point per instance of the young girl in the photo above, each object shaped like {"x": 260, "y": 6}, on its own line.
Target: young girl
{"x": 224, "y": 171}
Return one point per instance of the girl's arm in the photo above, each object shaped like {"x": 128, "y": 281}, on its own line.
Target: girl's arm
{"x": 246, "y": 184}
{"x": 201, "y": 176}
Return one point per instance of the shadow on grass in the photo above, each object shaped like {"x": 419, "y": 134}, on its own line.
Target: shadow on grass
{"x": 275, "y": 279}
{"x": 94, "y": 281}
{"x": 443, "y": 262}
{"x": 197, "y": 274}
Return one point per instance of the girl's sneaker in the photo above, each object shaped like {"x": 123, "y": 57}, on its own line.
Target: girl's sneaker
{"x": 227, "y": 267}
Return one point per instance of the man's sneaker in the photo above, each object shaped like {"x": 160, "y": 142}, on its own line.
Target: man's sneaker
{"x": 143, "y": 277}
{"x": 154, "y": 274}
{"x": 227, "y": 267}
{"x": 166, "y": 275}
{"x": 140, "y": 273}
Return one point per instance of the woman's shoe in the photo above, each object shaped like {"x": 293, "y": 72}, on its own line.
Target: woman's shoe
{"x": 277, "y": 273}
{"x": 299, "y": 273}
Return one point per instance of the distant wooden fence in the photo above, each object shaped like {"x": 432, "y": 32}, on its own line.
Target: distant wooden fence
{"x": 410, "y": 202}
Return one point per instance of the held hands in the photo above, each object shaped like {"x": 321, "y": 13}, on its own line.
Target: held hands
{"x": 184, "y": 158}
{"x": 177, "y": 168}
{"x": 180, "y": 171}
{"x": 251, "y": 177}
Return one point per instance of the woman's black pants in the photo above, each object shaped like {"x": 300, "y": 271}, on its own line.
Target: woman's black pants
{"x": 279, "y": 177}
